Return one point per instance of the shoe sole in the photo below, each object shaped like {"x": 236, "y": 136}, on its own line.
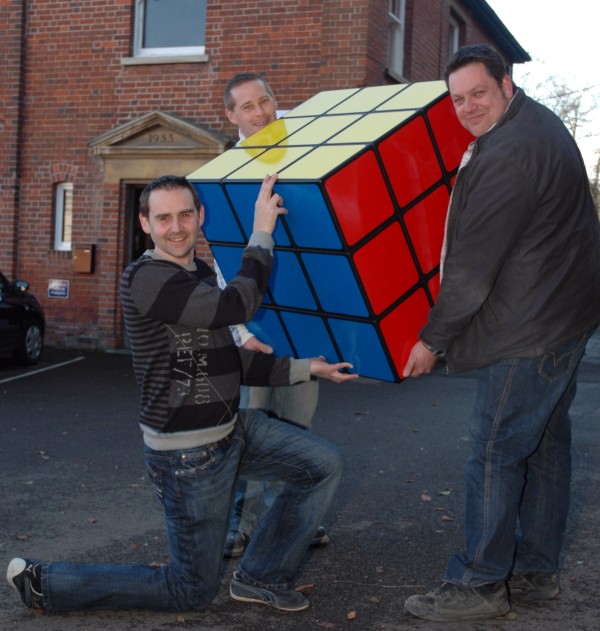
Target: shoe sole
{"x": 260, "y": 601}
{"x": 440, "y": 617}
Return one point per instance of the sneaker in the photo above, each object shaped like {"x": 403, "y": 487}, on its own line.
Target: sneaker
{"x": 533, "y": 586}
{"x": 321, "y": 537}
{"x": 457, "y": 602}
{"x": 283, "y": 599}
{"x": 24, "y": 576}
{"x": 235, "y": 544}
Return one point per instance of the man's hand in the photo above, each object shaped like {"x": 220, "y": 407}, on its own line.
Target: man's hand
{"x": 268, "y": 206}
{"x": 420, "y": 361}
{"x": 320, "y": 368}
{"x": 254, "y": 344}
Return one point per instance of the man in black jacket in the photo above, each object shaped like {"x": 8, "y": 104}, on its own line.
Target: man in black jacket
{"x": 519, "y": 299}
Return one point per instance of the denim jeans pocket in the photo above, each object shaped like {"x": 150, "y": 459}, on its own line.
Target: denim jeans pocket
{"x": 558, "y": 364}
{"x": 194, "y": 461}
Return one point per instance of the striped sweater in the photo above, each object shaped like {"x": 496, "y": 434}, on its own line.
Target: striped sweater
{"x": 185, "y": 361}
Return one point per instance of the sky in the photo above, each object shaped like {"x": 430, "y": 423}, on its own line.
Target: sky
{"x": 563, "y": 41}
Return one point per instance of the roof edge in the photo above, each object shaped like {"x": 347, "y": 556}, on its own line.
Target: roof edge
{"x": 506, "y": 41}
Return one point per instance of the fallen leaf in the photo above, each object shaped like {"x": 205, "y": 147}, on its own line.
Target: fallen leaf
{"x": 511, "y": 615}
{"x": 374, "y": 600}
{"x": 157, "y": 564}
{"x": 351, "y": 615}
{"x": 326, "y": 625}
{"x": 447, "y": 518}
{"x": 444, "y": 492}
{"x": 308, "y": 588}
{"x": 379, "y": 569}
{"x": 425, "y": 498}
{"x": 136, "y": 546}
{"x": 91, "y": 520}
{"x": 181, "y": 620}
{"x": 23, "y": 537}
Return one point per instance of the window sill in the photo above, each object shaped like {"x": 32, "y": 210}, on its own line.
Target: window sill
{"x": 164, "y": 59}
{"x": 392, "y": 74}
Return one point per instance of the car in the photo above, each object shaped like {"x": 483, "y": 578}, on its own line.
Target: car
{"x": 22, "y": 322}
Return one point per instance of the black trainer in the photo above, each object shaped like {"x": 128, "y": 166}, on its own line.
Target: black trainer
{"x": 321, "y": 537}
{"x": 282, "y": 599}
{"x": 533, "y": 586}
{"x": 235, "y": 544}
{"x": 451, "y": 602}
{"x": 24, "y": 576}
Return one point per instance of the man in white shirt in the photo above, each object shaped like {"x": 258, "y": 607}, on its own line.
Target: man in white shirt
{"x": 251, "y": 105}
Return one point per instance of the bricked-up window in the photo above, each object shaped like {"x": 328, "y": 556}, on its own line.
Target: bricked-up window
{"x": 396, "y": 41}
{"x": 169, "y": 27}
{"x": 63, "y": 215}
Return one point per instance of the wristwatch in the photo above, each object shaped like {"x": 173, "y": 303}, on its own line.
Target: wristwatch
{"x": 431, "y": 349}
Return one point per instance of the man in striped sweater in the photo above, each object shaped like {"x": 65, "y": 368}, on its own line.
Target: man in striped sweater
{"x": 196, "y": 440}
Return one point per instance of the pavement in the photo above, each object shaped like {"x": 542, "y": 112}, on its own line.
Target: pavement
{"x": 74, "y": 488}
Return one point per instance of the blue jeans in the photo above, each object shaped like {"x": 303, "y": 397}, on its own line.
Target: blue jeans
{"x": 296, "y": 404}
{"x": 518, "y": 473}
{"x": 196, "y": 489}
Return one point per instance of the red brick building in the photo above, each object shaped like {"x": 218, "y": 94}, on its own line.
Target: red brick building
{"x": 98, "y": 98}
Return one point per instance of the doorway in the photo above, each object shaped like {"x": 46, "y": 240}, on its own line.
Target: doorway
{"x": 137, "y": 240}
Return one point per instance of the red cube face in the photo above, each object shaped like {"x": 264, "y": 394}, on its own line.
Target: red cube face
{"x": 366, "y": 176}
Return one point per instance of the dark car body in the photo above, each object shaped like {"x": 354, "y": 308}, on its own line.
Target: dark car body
{"x": 22, "y": 322}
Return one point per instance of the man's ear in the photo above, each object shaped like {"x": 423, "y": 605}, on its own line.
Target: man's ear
{"x": 231, "y": 117}
{"x": 507, "y": 86}
{"x": 144, "y": 223}
{"x": 201, "y": 215}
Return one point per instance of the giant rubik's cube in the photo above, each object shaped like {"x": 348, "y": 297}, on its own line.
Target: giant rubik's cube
{"x": 366, "y": 177}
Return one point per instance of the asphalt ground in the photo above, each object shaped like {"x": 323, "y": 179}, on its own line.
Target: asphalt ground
{"x": 74, "y": 488}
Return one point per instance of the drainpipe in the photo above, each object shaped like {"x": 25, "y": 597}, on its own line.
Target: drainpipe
{"x": 21, "y": 95}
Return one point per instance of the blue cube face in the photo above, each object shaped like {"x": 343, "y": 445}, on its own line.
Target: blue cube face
{"x": 365, "y": 175}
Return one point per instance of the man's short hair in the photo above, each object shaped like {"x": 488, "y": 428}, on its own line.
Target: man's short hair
{"x": 167, "y": 183}
{"x": 238, "y": 79}
{"x": 477, "y": 53}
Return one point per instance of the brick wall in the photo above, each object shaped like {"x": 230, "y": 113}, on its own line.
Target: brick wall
{"x": 76, "y": 89}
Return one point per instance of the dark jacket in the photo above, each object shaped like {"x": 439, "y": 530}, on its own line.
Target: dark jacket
{"x": 522, "y": 268}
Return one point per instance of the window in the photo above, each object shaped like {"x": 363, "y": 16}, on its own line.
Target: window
{"x": 455, "y": 30}
{"x": 169, "y": 27}
{"x": 396, "y": 41}
{"x": 63, "y": 216}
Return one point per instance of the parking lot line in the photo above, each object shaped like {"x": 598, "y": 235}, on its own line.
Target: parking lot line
{"x": 38, "y": 370}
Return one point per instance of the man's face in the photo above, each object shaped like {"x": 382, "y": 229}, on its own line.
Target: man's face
{"x": 173, "y": 223}
{"x": 478, "y": 100}
{"x": 253, "y": 109}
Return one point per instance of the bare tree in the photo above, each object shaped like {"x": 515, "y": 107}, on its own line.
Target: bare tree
{"x": 595, "y": 182}
{"x": 574, "y": 107}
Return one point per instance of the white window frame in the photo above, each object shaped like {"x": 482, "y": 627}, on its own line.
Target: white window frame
{"x": 171, "y": 51}
{"x": 397, "y": 12}
{"x": 453, "y": 35}
{"x": 63, "y": 216}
